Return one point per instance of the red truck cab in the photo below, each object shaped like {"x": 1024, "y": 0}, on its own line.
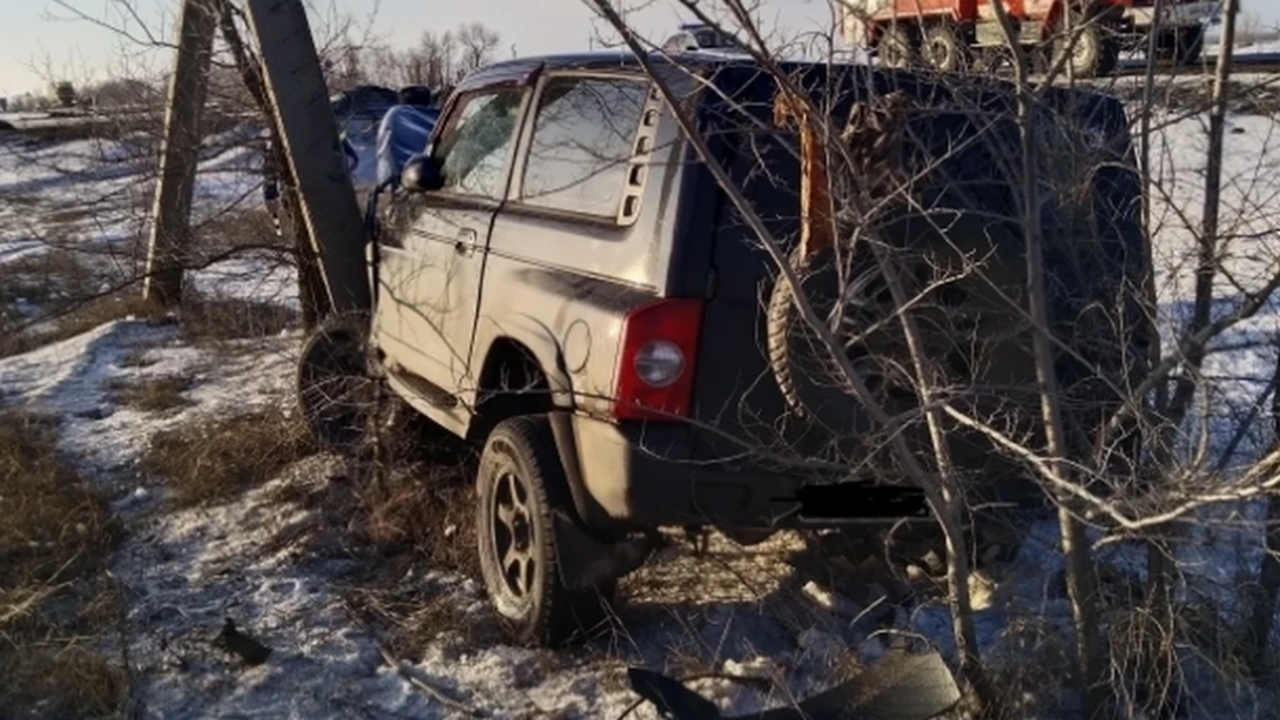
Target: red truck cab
{"x": 949, "y": 34}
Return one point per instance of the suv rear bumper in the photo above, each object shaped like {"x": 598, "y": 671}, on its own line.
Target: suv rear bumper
{"x": 644, "y": 477}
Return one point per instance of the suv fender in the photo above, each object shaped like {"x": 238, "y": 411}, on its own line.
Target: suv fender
{"x": 539, "y": 343}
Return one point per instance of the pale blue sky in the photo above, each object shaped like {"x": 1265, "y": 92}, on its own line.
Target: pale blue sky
{"x": 38, "y": 38}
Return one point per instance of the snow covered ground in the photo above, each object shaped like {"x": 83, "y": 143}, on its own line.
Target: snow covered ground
{"x": 281, "y": 568}
{"x": 186, "y": 571}
{"x": 96, "y": 193}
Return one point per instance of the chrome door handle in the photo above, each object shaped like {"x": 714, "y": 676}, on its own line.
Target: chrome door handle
{"x": 466, "y": 243}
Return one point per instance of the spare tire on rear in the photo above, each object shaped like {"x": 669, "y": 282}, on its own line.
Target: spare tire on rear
{"x": 808, "y": 369}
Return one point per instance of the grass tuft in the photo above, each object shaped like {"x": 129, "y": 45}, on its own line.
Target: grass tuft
{"x": 215, "y": 461}
{"x": 425, "y": 513}
{"x": 56, "y": 533}
{"x": 159, "y": 394}
{"x": 210, "y": 320}
{"x": 53, "y": 525}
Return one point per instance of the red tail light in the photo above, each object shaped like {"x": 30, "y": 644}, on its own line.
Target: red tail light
{"x": 654, "y": 378}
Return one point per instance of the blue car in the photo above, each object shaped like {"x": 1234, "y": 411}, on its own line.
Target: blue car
{"x": 379, "y": 130}
{"x": 359, "y": 113}
{"x": 404, "y": 133}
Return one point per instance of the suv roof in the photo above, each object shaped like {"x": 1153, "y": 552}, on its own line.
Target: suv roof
{"x": 520, "y": 68}
{"x": 1099, "y": 110}
{"x": 604, "y": 60}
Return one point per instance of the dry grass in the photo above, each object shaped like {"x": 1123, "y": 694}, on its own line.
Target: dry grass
{"x": 238, "y": 228}
{"x": 55, "y": 601}
{"x": 211, "y": 462}
{"x": 417, "y": 520}
{"x": 54, "y": 525}
{"x": 203, "y": 321}
{"x": 136, "y": 358}
{"x": 48, "y": 297}
{"x": 428, "y": 513}
{"x": 58, "y": 293}
{"x": 63, "y": 679}
{"x": 158, "y": 394}
{"x": 409, "y": 620}
{"x": 71, "y": 216}
{"x": 44, "y": 278}
{"x": 208, "y": 321}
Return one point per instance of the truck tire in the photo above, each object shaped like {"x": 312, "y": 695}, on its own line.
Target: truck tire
{"x": 351, "y": 410}
{"x": 1096, "y": 52}
{"x": 944, "y": 50}
{"x": 809, "y": 378}
{"x": 518, "y": 488}
{"x": 748, "y": 537}
{"x": 336, "y": 391}
{"x": 794, "y": 348}
{"x": 898, "y": 47}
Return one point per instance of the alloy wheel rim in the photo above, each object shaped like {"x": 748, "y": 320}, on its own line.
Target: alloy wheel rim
{"x": 937, "y": 50}
{"x": 514, "y": 540}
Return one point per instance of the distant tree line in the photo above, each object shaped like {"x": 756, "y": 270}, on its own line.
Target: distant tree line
{"x": 439, "y": 60}
{"x": 113, "y": 93}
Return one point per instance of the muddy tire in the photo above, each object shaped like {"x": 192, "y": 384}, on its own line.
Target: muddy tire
{"x": 337, "y": 393}
{"x": 748, "y": 537}
{"x": 944, "y": 50}
{"x": 1095, "y": 54}
{"x": 898, "y": 47}
{"x": 348, "y": 408}
{"x": 799, "y": 361}
{"x": 808, "y": 373}
{"x": 519, "y": 486}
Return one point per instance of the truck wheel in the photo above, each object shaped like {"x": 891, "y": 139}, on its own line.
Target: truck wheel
{"x": 796, "y": 354}
{"x": 347, "y": 407}
{"x": 944, "y": 50}
{"x": 520, "y": 484}
{"x": 897, "y": 47}
{"x": 993, "y": 61}
{"x": 336, "y": 392}
{"x": 1095, "y": 53}
{"x": 807, "y": 374}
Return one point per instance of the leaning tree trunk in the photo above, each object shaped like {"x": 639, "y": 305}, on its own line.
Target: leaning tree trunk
{"x": 312, "y": 295}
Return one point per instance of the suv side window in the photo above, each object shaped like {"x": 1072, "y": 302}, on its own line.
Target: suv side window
{"x": 477, "y": 142}
{"x": 583, "y": 141}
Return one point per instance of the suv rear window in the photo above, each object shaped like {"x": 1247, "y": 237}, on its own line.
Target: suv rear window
{"x": 582, "y": 143}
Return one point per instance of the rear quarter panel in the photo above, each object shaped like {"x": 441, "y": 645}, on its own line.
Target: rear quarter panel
{"x": 561, "y": 284}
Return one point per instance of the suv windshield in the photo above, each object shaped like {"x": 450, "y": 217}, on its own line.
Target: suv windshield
{"x": 476, "y": 143}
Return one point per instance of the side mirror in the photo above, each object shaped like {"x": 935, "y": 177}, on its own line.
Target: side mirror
{"x": 422, "y": 173}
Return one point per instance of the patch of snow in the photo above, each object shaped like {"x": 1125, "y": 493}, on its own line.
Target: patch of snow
{"x": 87, "y": 193}
{"x": 257, "y": 279}
{"x": 185, "y": 571}
{"x": 72, "y": 379}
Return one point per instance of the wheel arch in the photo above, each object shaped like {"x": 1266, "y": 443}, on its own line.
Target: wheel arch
{"x": 529, "y": 345}
{"x": 521, "y": 374}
